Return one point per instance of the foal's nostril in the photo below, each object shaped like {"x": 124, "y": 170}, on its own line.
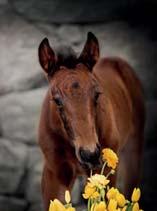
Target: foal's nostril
{"x": 84, "y": 155}
{"x": 90, "y": 157}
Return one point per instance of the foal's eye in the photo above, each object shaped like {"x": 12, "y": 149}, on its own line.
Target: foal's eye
{"x": 58, "y": 102}
{"x": 96, "y": 97}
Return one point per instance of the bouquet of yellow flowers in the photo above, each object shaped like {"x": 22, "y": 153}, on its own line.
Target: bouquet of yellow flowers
{"x": 98, "y": 193}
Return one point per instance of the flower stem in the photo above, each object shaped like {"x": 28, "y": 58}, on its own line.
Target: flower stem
{"x": 91, "y": 172}
{"x": 89, "y": 200}
{"x": 103, "y": 168}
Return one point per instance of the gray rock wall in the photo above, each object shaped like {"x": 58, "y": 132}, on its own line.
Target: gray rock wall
{"x": 23, "y": 86}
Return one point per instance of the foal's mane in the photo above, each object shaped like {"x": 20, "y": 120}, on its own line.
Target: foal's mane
{"x": 66, "y": 56}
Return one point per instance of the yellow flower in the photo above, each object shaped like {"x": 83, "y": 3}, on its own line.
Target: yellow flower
{"x": 70, "y": 209}
{"x": 120, "y": 199}
{"x": 99, "y": 207}
{"x": 124, "y": 208}
{"x": 136, "y": 207}
{"x": 112, "y": 205}
{"x": 51, "y": 206}
{"x": 111, "y": 194}
{"x": 90, "y": 192}
{"x": 98, "y": 180}
{"x": 56, "y": 205}
{"x": 112, "y": 171}
{"x": 110, "y": 157}
{"x": 67, "y": 197}
{"x": 95, "y": 195}
{"x": 136, "y": 195}
{"x": 92, "y": 207}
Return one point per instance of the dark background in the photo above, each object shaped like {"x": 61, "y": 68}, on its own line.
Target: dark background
{"x": 125, "y": 28}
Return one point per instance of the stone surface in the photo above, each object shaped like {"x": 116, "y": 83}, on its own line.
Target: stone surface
{"x": 13, "y": 159}
{"x": 149, "y": 184}
{"x": 70, "y": 34}
{"x": 71, "y": 11}
{"x": 19, "y": 41}
{"x": 12, "y": 204}
{"x": 36, "y": 207}
{"x": 151, "y": 125}
{"x": 3, "y": 2}
{"x": 34, "y": 171}
{"x": 20, "y": 116}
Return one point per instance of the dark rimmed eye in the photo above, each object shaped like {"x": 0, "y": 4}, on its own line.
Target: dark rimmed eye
{"x": 96, "y": 97}
{"x": 58, "y": 101}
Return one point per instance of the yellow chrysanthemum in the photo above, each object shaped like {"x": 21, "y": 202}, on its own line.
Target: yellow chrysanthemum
{"x": 136, "y": 195}
{"x": 120, "y": 199}
{"x": 112, "y": 205}
{"x": 99, "y": 207}
{"x": 90, "y": 192}
{"x": 111, "y": 193}
{"x": 124, "y": 208}
{"x": 110, "y": 157}
{"x": 67, "y": 197}
{"x": 56, "y": 205}
{"x": 51, "y": 206}
{"x": 98, "y": 180}
{"x": 95, "y": 195}
{"x": 136, "y": 207}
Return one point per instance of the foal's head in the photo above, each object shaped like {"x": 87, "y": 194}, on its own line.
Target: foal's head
{"x": 75, "y": 93}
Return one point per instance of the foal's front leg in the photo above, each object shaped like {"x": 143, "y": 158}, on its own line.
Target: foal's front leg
{"x": 54, "y": 184}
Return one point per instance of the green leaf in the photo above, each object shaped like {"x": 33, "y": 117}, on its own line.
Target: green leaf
{"x": 68, "y": 205}
{"x": 129, "y": 208}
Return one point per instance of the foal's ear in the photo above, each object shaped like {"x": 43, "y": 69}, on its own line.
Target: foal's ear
{"x": 90, "y": 53}
{"x": 47, "y": 57}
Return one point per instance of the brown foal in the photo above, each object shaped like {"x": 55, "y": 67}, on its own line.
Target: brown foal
{"x": 91, "y": 103}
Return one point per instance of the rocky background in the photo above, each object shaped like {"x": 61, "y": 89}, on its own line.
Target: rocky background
{"x": 124, "y": 28}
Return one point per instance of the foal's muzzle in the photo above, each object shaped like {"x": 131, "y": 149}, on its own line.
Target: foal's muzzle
{"x": 90, "y": 159}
